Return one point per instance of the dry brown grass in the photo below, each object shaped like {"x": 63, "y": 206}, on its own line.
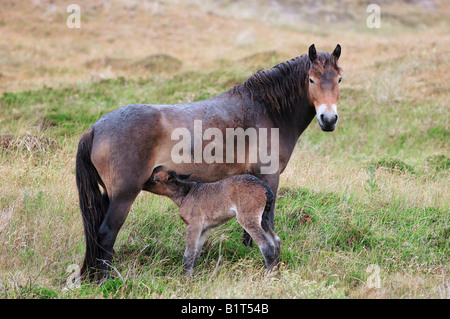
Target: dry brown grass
{"x": 37, "y": 48}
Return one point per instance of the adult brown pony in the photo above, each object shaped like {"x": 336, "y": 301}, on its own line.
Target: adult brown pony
{"x": 123, "y": 148}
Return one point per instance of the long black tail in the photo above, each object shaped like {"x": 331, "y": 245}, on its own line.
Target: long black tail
{"x": 93, "y": 203}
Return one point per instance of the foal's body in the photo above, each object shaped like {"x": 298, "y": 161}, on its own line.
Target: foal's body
{"x": 204, "y": 206}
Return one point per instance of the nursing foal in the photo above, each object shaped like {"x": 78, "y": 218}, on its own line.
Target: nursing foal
{"x": 204, "y": 206}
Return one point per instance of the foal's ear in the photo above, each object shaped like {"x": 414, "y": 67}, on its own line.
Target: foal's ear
{"x": 184, "y": 176}
{"x": 171, "y": 175}
{"x": 312, "y": 53}
{"x": 337, "y": 52}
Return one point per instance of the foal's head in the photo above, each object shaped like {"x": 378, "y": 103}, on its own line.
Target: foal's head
{"x": 170, "y": 184}
{"x": 323, "y": 86}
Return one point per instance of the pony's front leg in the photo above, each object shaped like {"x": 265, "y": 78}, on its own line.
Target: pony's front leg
{"x": 191, "y": 254}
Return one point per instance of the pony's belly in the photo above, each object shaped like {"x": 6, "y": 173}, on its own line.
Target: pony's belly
{"x": 215, "y": 219}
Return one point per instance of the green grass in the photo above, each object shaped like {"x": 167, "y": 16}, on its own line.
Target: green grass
{"x": 332, "y": 247}
{"x": 384, "y": 161}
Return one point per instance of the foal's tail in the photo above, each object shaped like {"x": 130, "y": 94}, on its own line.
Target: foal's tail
{"x": 266, "y": 221}
{"x": 93, "y": 203}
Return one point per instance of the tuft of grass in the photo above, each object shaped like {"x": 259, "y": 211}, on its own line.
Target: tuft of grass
{"x": 438, "y": 162}
{"x": 350, "y": 236}
{"x": 394, "y": 165}
{"x": 371, "y": 181}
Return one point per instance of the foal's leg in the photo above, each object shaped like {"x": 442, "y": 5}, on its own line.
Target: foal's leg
{"x": 203, "y": 236}
{"x": 277, "y": 242}
{"x": 191, "y": 254}
{"x": 266, "y": 244}
{"x": 272, "y": 181}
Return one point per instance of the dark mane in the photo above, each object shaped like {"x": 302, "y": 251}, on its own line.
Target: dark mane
{"x": 278, "y": 88}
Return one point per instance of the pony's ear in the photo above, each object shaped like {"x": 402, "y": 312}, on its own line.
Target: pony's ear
{"x": 337, "y": 52}
{"x": 312, "y": 53}
{"x": 184, "y": 176}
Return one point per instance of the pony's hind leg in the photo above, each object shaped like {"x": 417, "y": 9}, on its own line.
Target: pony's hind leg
{"x": 118, "y": 210}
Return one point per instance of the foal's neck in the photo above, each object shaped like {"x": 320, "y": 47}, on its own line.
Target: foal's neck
{"x": 181, "y": 190}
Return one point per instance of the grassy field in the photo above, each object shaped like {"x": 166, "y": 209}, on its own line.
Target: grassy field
{"x": 368, "y": 201}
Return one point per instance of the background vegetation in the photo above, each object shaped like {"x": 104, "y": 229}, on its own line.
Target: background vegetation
{"x": 374, "y": 192}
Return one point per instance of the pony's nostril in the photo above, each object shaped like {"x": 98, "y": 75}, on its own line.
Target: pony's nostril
{"x": 328, "y": 119}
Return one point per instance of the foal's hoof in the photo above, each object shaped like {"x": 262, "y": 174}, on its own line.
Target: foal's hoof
{"x": 274, "y": 274}
{"x": 188, "y": 274}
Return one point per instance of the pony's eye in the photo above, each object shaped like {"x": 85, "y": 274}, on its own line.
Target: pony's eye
{"x": 340, "y": 79}
{"x": 311, "y": 81}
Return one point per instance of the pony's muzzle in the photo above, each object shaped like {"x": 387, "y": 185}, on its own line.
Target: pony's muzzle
{"x": 327, "y": 118}
{"x": 328, "y": 122}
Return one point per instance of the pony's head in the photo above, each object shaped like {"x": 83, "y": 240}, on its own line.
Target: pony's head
{"x": 323, "y": 81}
